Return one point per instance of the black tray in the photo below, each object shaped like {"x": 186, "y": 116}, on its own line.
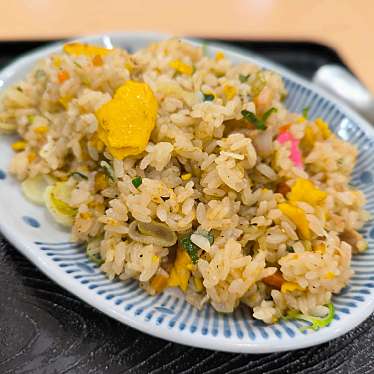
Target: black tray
{"x": 45, "y": 329}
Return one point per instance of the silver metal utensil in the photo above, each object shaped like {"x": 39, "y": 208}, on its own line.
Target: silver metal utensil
{"x": 340, "y": 82}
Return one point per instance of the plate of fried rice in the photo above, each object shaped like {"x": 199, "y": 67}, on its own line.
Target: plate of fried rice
{"x": 194, "y": 192}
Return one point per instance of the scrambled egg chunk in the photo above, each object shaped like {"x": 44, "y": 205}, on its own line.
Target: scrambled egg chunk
{"x": 180, "y": 274}
{"x": 298, "y": 217}
{"x": 304, "y": 190}
{"x": 77, "y": 49}
{"x": 126, "y": 121}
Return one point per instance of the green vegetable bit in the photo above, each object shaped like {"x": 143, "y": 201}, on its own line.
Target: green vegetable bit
{"x": 258, "y": 83}
{"x": 208, "y": 97}
{"x": 79, "y": 174}
{"x": 31, "y": 118}
{"x": 137, "y": 181}
{"x": 290, "y": 249}
{"x": 315, "y": 322}
{"x": 108, "y": 170}
{"x": 40, "y": 74}
{"x": 306, "y": 112}
{"x": 189, "y": 247}
{"x": 252, "y": 118}
{"x": 258, "y": 122}
{"x": 77, "y": 64}
{"x": 268, "y": 113}
{"x": 243, "y": 78}
{"x": 94, "y": 257}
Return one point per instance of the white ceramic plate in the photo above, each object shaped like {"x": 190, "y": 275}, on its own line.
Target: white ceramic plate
{"x": 167, "y": 315}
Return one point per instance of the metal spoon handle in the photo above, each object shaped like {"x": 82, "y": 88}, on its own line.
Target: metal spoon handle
{"x": 340, "y": 82}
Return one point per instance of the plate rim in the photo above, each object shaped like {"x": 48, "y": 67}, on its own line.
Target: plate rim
{"x": 208, "y": 342}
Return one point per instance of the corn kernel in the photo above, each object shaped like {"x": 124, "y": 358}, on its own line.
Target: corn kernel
{"x": 31, "y": 156}
{"x": 64, "y": 101}
{"x": 155, "y": 258}
{"x": 290, "y": 286}
{"x": 229, "y": 91}
{"x": 323, "y": 128}
{"x": 19, "y": 146}
{"x": 300, "y": 120}
{"x": 219, "y": 56}
{"x": 320, "y": 248}
{"x": 56, "y": 62}
{"x": 85, "y": 215}
{"x": 41, "y": 129}
{"x": 198, "y": 284}
{"x": 181, "y": 67}
{"x": 186, "y": 177}
{"x": 330, "y": 275}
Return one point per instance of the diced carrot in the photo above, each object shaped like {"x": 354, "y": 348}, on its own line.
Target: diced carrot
{"x": 97, "y": 60}
{"x": 62, "y": 76}
{"x": 276, "y": 280}
{"x": 285, "y": 127}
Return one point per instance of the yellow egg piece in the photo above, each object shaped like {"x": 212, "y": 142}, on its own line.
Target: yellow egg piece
{"x": 126, "y": 121}
{"x": 298, "y": 217}
{"x": 181, "y": 67}
{"x": 180, "y": 275}
{"x": 290, "y": 286}
{"x": 323, "y": 128}
{"x": 304, "y": 190}
{"x": 78, "y": 49}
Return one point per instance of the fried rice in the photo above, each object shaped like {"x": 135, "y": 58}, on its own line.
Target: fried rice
{"x": 224, "y": 194}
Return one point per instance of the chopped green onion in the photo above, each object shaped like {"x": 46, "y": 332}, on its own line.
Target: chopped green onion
{"x": 94, "y": 257}
{"x": 137, "y": 181}
{"x": 258, "y": 83}
{"x": 107, "y": 168}
{"x": 40, "y": 74}
{"x": 258, "y": 122}
{"x": 268, "y": 113}
{"x": 78, "y": 174}
{"x": 208, "y": 97}
{"x": 315, "y": 322}
{"x": 290, "y": 249}
{"x": 306, "y": 112}
{"x": 243, "y": 78}
{"x": 252, "y": 118}
{"x": 77, "y": 64}
{"x": 189, "y": 247}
